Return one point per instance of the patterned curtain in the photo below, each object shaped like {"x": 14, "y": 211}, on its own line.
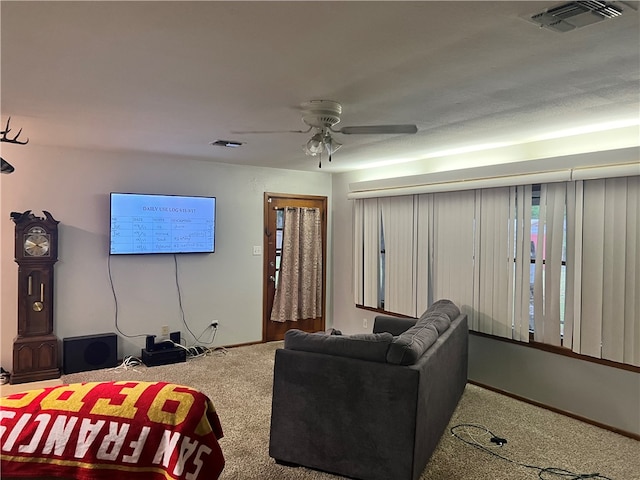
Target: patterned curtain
{"x": 299, "y": 289}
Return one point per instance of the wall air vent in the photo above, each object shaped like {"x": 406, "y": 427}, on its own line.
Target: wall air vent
{"x": 572, "y": 15}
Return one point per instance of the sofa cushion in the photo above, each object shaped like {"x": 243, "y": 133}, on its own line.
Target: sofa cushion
{"x": 368, "y": 346}
{"x": 443, "y": 306}
{"x": 394, "y": 325}
{"x": 406, "y": 348}
{"x": 439, "y": 320}
{"x": 409, "y": 346}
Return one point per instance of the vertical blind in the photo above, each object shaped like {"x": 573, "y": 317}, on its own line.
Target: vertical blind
{"x": 366, "y": 252}
{"x": 494, "y": 261}
{"x": 522, "y": 285}
{"x": 548, "y": 263}
{"x": 424, "y": 259}
{"x": 452, "y": 250}
{"x": 399, "y": 242}
{"x": 578, "y": 274}
{"x": 610, "y": 270}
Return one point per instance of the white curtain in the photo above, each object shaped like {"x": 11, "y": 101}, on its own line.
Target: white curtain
{"x": 494, "y": 265}
{"x": 358, "y": 252}
{"x": 547, "y": 288}
{"x": 371, "y": 253}
{"x": 573, "y": 300}
{"x": 299, "y": 290}
{"x": 474, "y": 247}
{"x": 453, "y": 246}
{"x": 366, "y": 252}
{"x": 399, "y": 244}
{"x": 424, "y": 252}
{"x": 522, "y": 286}
{"x": 609, "y": 326}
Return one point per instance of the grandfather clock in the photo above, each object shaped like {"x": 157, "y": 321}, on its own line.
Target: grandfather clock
{"x": 35, "y": 349}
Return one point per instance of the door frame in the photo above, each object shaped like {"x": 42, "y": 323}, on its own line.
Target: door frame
{"x": 268, "y": 270}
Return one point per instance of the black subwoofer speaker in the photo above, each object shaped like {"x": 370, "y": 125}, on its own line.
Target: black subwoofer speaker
{"x": 89, "y": 352}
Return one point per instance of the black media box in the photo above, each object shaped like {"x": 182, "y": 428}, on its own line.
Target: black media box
{"x": 164, "y": 356}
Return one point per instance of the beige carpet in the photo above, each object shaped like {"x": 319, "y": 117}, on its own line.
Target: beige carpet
{"x": 239, "y": 383}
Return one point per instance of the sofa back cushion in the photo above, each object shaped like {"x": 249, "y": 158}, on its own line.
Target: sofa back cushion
{"x": 445, "y": 306}
{"x": 439, "y": 320}
{"x": 394, "y": 325}
{"x": 368, "y": 346}
{"x": 408, "y": 347}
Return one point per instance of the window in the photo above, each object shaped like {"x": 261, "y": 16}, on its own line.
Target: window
{"x": 385, "y": 254}
{"x": 279, "y": 237}
{"x": 559, "y": 260}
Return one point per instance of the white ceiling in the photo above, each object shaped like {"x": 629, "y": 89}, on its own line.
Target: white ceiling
{"x": 170, "y": 77}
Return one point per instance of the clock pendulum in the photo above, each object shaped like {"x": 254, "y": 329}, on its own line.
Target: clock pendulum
{"x": 36, "y": 348}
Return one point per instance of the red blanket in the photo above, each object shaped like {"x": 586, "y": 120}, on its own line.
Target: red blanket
{"x": 93, "y": 431}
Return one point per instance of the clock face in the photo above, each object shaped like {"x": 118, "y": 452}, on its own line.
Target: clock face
{"x": 36, "y": 243}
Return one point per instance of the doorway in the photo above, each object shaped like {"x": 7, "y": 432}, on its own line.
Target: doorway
{"x": 274, "y": 205}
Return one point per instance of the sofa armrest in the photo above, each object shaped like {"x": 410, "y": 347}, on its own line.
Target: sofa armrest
{"x": 444, "y": 367}
{"x": 394, "y": 325}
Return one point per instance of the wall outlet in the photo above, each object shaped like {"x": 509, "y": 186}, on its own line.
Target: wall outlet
{"x": 365, "y": 323}
{"x": 164, "y": 331}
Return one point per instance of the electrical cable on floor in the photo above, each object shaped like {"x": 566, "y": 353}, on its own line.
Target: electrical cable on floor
{"x": 195, "y": 351}
{"x": 129, "y": 362}
{"x": 4, "y": 376}
{"x": 544, "y": 473}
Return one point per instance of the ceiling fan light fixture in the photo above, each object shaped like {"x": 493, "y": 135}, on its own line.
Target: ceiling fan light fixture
{"x": 331, "y": 144}
{"x": 315, "y": 145}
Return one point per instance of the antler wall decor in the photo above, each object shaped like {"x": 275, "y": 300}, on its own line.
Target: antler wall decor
{"x": 6, "y": 166}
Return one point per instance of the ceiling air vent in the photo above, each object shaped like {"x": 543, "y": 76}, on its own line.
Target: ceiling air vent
{"x": 226, "y": 143}
{"x": 572, "y": 15}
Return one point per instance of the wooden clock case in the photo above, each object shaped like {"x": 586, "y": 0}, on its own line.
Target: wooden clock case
{"x": 36, "y": 348}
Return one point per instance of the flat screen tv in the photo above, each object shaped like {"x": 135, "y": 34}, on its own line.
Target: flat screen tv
{"x": 151, "y": 223}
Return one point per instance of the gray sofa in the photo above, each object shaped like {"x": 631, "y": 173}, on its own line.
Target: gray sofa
{"x": 370, "y": 406}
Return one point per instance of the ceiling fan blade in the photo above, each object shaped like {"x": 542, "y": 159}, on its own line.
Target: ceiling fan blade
{"x": 240, "y": 132}
{"x": 378, "y": 129}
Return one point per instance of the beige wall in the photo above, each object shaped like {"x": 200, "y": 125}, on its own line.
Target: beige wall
{"x": 74, "y": 186}
{"x": 569, "y": 384}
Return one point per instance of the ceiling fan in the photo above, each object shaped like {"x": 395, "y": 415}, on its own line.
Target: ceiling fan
{"x": 321, "y": 116}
